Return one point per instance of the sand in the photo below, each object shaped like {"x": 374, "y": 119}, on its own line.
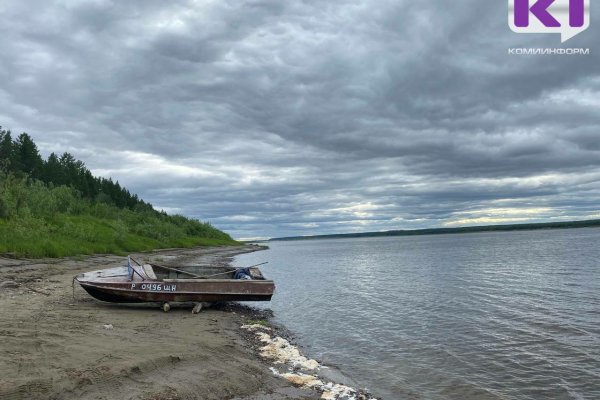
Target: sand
{"x": 57, "y": 342}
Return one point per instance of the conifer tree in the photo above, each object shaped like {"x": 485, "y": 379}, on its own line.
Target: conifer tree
{"x": 27, "y": 157}
{"x": 22, "y": 156}
{"x": 6, "y": 150}
{"x": 53, "y": 172}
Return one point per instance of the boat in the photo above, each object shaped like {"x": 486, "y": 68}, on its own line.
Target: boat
{"x": 138, "y": 283}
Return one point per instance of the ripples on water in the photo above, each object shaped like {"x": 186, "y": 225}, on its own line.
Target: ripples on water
{"x": 511, "y": 315}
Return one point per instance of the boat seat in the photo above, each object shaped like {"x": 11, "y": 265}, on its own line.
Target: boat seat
{"x": 149, "y": 271}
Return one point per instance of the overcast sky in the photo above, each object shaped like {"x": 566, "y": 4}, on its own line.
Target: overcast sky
{"x": 274, "y": 118}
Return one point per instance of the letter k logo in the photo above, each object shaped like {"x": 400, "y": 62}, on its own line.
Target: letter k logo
{"x": 567, "y": 17}
{"x": 539, "y": 9}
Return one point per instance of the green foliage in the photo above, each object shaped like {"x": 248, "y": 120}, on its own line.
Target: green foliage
{"x": 57, "y": 208}
{"x": 26, "y": 156}
{"x": 22, "y": 158}
{"x": 41, "y": 221}
{"x": 6, "y": 150}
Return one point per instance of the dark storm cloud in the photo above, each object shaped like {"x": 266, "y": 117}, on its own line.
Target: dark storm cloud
{"x": 273, "y": 118}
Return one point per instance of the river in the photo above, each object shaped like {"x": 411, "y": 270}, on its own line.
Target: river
{"x": 501, "y": 315}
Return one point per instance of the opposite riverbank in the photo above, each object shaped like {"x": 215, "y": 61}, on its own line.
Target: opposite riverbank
{"x": 595, "y": 223}
{"x": 59, "y": 343}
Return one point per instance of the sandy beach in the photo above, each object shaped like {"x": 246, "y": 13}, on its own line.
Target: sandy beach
{"x": 57, "y": 342}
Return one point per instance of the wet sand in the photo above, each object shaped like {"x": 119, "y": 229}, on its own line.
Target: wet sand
{"x": 57, "y": 342}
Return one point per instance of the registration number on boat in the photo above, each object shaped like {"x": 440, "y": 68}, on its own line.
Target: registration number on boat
{"x": 154, "y": 287}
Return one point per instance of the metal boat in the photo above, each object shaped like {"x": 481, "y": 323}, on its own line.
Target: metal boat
{"x": 137, "y": 283}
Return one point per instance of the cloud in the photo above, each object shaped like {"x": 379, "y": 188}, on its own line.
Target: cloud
{"x": 273, "y": 118}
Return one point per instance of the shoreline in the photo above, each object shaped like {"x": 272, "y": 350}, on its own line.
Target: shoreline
{"x": 60, "y": 343}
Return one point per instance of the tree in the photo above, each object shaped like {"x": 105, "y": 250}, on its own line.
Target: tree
{"x": 27, "y": 157}
{"x": 6, "y": 150}
{"x": 21, "y": 158}
{"x": 53, "y": 171}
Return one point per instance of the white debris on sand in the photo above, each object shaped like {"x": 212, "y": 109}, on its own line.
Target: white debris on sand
{"x": 108, "y": 327}
{"x": 256, "y": 327}
{"x": 300, "y": 379}
{"x": 329, "y": 390}
{"x": 333, "y": 391}
{"x": 280, "y": 351}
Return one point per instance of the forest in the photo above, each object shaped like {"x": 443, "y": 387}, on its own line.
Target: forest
{"x": 594, "y": 223}
{"x": 56, "y": 207}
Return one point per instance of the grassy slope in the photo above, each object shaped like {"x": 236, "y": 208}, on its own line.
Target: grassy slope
{"x": 37, "y": 221}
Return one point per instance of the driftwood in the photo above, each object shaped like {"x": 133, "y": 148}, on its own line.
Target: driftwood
{"x": 199, "y": 306}
{"x": 8, "y": 285}
{"x": 14, "y": 285}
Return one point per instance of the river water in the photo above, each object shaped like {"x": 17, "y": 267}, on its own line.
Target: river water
{"x": 507, "y": 315}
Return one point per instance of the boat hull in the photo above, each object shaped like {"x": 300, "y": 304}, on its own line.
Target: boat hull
{"x": 210, "y": 292}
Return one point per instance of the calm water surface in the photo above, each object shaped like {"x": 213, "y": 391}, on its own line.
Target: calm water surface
{"x": 513, "y": 315}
